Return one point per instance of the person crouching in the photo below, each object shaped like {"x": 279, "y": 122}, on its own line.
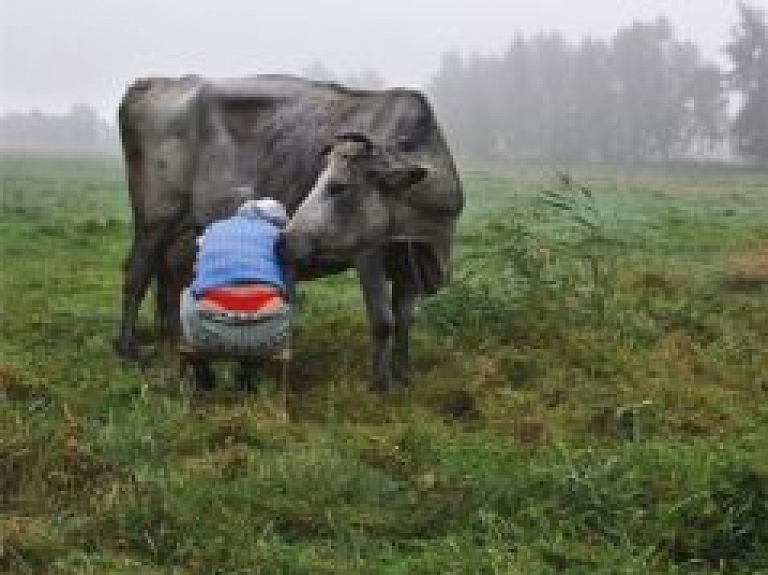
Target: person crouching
{"x": 238, "y": 302}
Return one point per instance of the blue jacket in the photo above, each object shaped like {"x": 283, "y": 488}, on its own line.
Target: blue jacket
{"x": 239, "y": 249}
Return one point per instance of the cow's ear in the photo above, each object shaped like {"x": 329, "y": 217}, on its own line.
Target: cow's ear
{"x": 399, "y": 179}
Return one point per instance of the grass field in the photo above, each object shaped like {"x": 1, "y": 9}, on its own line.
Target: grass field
{"x": 590, "y": 395}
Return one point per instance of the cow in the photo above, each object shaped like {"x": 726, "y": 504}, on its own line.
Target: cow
{"x": 367, "y": 175}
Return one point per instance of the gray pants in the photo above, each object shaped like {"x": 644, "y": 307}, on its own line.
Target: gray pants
{"x": 235, "y": 333}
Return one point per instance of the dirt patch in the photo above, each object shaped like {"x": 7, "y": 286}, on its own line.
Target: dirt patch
{"x": 746, "y": 271}
{"x": 27, "y": 544}
{"x": 13, "y": 387}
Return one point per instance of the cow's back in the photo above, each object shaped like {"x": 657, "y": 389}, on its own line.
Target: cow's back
{"x": 190, "y": 142}
{"x": 272, "y": 130}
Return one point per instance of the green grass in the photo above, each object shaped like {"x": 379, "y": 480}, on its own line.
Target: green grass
{"x": 584, "y": 399}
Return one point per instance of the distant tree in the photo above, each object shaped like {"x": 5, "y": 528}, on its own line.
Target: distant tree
{"x": 706, "y": 108}
{"x": 461, "y": 97}
{"x": 748, "y": 52}
{"x": 642, "y": 96}
{"x": 81, "y": 130}
{"x": 517, "y": 107}
{"x": 84, "y": 127}
{"x": 318, "y": 71}
{"x": 554, "y": 94}
{"x": 596, "y": 117}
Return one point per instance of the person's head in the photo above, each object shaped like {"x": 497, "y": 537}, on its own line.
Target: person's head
{"x": 265, "y": 208}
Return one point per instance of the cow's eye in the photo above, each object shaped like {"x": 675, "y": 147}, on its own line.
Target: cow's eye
{"x": 337, "y": 188}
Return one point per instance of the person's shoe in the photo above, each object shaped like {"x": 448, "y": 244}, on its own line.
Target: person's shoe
{"x": 245, "y": 376}
{"x": 203, "y": 376}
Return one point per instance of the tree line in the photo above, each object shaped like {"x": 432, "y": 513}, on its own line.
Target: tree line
{"x": 80, "y": 130}
{"x": 643, "y": 95}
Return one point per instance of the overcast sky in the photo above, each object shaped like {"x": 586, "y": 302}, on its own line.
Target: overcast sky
{"x": 54, "y": 53}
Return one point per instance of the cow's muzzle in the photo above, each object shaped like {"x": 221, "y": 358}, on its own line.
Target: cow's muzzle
{"x": 297, "y": 247}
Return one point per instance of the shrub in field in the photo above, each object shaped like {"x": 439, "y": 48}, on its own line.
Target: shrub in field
{"x": 522, "y": 274}
{"x": 726, "y": 523}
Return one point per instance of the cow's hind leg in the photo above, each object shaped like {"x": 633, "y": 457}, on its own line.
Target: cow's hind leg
{"x": 139, "y": 270}
{"x": 137, "y": 274}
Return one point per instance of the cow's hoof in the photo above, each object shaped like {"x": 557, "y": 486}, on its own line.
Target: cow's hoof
{"x": 245, "y": 378}
{"x": 128, "y": 350}
{"x": 384, "y": 385}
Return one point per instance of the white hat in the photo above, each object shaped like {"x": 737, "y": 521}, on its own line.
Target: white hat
{"x": 268, "y": 208}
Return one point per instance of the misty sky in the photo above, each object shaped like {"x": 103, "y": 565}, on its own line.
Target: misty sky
{"x": 54, "y": 53}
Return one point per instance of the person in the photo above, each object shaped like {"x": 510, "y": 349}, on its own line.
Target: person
{"x": 239, "y": 300}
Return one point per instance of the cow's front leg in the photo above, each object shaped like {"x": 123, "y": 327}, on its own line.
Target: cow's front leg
{"x": 403, "y": 302}
{"x": 378, "y": 304}
{"x": 167, "y": 311}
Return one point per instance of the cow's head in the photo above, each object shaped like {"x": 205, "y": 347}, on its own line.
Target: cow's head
{"x": 348, "y": 209}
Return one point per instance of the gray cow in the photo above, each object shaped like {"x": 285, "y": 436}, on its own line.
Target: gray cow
{"x": 367, "y": 174}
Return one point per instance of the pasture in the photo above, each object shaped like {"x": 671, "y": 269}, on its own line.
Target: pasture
{"x": 590, "y": 395}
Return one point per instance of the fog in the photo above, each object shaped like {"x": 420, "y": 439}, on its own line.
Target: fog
{"x": 54, "y": 54}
